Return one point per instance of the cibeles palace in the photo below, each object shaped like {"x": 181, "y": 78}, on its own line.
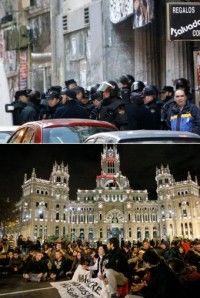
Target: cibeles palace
{"x": 112, "y": 208}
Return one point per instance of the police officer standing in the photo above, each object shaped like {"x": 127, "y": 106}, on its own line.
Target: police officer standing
{"x": 21, "y": 101}
{"x": 112, "y": 108}
{"x": 53, "y": 99}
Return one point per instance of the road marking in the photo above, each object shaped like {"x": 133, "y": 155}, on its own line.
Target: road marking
{"x": 24, "y": 292}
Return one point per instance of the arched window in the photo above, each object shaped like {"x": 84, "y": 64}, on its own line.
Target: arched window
{"x": 155, "y": 232}
{"x": 182, "y": 231}
{"x": 64, "y": 216}
{"x": 146, "y": 233}
{"x": 57, "y": 216}
{"x": 101, "y": 233}
{"x": 57, "y": 231}
{"x": 64, "y": 231}
{"x": 138, "y": 234}
{"x": 191, "y": 229}
{"x": 130, "y": 233}
{"x": 58, "y": 179}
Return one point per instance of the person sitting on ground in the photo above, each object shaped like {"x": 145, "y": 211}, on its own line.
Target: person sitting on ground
{"x": 16, "y": 263}
{"x": 116, "y": 267}
{"x": 59, "y": 267}
{"x": 36, "y": 269}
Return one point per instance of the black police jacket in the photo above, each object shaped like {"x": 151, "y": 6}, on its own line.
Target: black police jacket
{"x": 18, "y": 108}
{"x": 113, "y": 111}
{"x": 141, "y": 116}
{"x": 30, "y": 113}
{"x": 71, "y": 109}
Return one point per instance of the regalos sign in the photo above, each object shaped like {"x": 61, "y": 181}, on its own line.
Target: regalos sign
{"x": 183, "y": 21}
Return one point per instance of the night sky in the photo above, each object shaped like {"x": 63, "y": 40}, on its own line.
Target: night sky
{"x": 138, "y": 163}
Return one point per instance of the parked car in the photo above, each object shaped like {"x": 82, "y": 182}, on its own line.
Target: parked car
{"x": 58, "y": 131}
{"x": 6, "y": 132}
{"x": 143, "y": 137}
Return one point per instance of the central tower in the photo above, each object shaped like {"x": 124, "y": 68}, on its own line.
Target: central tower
{"x": 111, "y": 175}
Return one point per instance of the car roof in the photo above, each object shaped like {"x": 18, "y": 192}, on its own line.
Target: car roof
{"x": 142, "y": 134}
{"x": 69, "y": 122}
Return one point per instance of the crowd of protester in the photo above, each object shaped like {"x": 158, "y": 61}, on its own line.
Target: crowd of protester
{"x": 150, "y": 268}
{"x": 127, "y": 103}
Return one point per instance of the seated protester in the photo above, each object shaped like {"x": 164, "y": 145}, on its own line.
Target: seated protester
{"x": 98, "y": 268}
{"x": 147, "y": 245}
{"x": 174, "y": 251}
{"x": 77, "y": 261}
{"x": 188, "y": 276}
{"x": 59, "y": 266}
{"x": 136, "y": 262}
{"x": 116, "y": 267}
{"x": 4, "y": 263}
{"x": 16, "y": 263}
{"x": 192, "y": 257}
{"x": 183, "y": 115}
{"x": 36, "y": 269}
{"x": 159, "y": 280}
{"x": 163, "y": 249}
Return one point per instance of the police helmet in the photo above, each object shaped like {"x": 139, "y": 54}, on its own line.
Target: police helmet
{"x": 137, "y": 86}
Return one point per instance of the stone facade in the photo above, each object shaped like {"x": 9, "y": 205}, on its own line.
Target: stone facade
{"x": 112, "y": 208}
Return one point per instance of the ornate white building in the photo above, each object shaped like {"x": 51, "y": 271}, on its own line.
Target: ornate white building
{"x": 112, "y": 208}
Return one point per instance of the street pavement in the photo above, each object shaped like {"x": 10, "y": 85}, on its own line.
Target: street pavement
{"x": 16, "y": 287}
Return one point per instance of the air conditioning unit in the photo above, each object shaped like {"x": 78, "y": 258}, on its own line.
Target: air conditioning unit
{"x": 76, "y": 20}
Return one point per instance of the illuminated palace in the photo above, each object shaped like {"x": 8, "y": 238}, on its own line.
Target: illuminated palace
{"x": 112, "y": 208}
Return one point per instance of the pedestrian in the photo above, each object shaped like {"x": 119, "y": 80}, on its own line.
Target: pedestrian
{"x": 183, "y": 115}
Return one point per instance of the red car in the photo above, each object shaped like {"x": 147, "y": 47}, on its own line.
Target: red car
{"x": 58, "y": 131}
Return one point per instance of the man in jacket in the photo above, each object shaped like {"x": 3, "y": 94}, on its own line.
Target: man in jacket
{"x": 183, "y": 115}
{"x": 116, "y": 267}
{"x": 21, "y": 101}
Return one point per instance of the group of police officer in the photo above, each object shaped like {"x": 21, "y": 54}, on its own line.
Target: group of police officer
{"x": 128, "y": 104}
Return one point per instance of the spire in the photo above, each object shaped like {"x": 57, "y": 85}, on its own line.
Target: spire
{"x": 189, "y": 178}
{"x": 33, "y": 173}
{"x": 196, "y": 180}
{"x": 25, "y": 177}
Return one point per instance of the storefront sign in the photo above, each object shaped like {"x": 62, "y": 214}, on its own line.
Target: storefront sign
{"x": 183, "y": 21}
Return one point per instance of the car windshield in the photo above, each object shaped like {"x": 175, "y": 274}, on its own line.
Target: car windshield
{"x": 4, "y": 136}
{"x": 70, "y": 135}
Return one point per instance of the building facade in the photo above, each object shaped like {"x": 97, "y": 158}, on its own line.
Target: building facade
{"x": 112, "y": 208}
